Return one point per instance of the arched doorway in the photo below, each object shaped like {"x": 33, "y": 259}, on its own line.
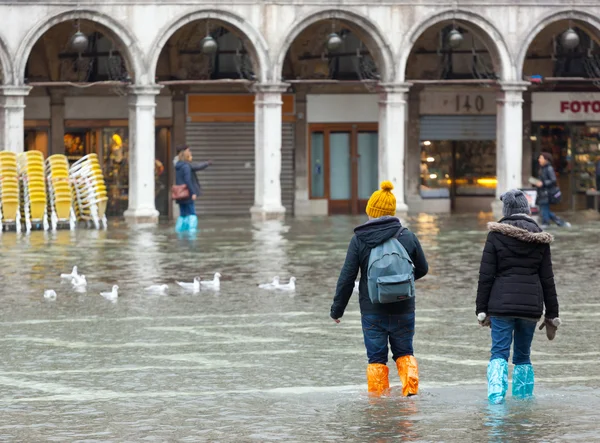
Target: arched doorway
{"x": 455, "y": 66}
{"x": 561, "y": 57}
{"x": 335, "y": 61}
{"x": 80, "y": 67}
{"x": 210, "y": 63}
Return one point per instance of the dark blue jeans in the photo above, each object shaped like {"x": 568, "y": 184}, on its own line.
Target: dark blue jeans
{"x": 378, "y": 330}
{"x": 186, "y": 209}
{"x": 502, "y": 337}
{"x": 547, "y": 215}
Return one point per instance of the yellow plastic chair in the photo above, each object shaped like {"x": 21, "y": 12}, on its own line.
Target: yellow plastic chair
{"x": 9, "y": 208}
{"x": 63, "y": 207}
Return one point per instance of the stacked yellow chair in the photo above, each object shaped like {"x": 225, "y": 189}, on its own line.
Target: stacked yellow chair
{"x": 30, "y": 166}
{"x": 89, "y": 190}
{"x": 9, "y": 191}
{"x": 60, "y": 194}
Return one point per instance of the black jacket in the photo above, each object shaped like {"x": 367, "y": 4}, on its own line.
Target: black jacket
{"x": 516, "y": 277}
{"x": 366, "y": 237}
{"x": 549, "y": 184}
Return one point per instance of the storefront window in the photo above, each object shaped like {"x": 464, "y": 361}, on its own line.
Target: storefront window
{"x": 436, "y": 163}
{"x": 586, "y": 152}
{"x": 115, "y": 144}
{"x": 475, "y": 166}
{"x": 317, "y": 161}
{"x": 36, "y": 140}
{"x": 76, "y": 144}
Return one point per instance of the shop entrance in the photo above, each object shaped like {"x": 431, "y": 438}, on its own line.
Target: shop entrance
{"x": 344, "y": 165}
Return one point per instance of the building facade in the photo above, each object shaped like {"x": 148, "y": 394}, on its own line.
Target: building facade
{"x": 305, "y": 106}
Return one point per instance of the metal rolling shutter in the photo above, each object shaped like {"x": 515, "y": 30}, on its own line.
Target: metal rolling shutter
{"x": 458, "y": 127}
{"x": 228, "y": 185}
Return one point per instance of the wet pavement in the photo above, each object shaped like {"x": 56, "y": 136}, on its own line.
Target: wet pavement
{"x": 246, "y": 364}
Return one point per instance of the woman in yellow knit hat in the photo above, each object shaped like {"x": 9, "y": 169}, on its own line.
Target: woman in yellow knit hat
{"x": 392, "y": 323}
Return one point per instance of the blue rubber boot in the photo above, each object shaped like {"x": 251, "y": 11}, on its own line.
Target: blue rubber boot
{"x": 523, "y": 381}
{"x": 192, "y": 223}
{"x": 181, "y": 224}
{"x": 497, "y": 375}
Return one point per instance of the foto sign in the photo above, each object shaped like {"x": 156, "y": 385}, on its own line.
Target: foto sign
{"x": 565, "y": 106}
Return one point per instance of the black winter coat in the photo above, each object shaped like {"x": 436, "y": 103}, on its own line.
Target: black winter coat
{"x": 366, "y": 237}
{"x": 549, "y": 184}
{"x": 516, "y": 277}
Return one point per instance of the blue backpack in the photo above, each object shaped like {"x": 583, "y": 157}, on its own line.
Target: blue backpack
{"x": 390, "y": 275}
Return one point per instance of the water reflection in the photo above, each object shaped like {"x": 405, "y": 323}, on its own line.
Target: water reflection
{"x": 269, "y": 245}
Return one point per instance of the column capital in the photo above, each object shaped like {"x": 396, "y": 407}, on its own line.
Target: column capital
{"x": 14, "y": 91}
{"x": 514, "y": 86}
{"x": 274, "y": 88}
{"x": 57, "y": 96}
{"x": 145, "y": 89}
{"x": 394, "y": 88}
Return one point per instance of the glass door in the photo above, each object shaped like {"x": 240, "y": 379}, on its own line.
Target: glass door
{"x": 340, "y": 173}
{"x": 344, "y": 165}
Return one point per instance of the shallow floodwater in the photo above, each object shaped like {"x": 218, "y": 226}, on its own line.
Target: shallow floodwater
{"x": 246, "y": 364}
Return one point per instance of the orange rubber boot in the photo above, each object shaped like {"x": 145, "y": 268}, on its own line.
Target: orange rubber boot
{"x": 378, "y": 378}
{"x": 408, "y": 369}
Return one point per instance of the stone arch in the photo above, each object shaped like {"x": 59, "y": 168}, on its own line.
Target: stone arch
{"x": 258, "y": 45}
{"x": 131, "y": 51}
{"x": 555, "y": 16}
{"x": 374, "y": 39}
{"x": 490, "y": 36}
{"x": 6, "y": 64}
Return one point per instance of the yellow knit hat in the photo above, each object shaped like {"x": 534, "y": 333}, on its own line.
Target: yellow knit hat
{"x": 382, "y": 202}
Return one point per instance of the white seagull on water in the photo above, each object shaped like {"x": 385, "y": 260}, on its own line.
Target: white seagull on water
{"x": 273, "y": 285}
{"x": 158, "y": 289}
{"x": 194, "y": 287}
{"x": 214, "y": 284}
{"x": 112, "y": 295}
{"x": 70, "y": 276}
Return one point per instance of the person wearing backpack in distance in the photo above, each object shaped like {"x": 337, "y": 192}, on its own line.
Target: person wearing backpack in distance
{"x": 515, "y": 282}
{"x": 390, "y": 259}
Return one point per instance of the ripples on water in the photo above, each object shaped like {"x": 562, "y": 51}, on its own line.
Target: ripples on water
{"x": 248, "y": 365}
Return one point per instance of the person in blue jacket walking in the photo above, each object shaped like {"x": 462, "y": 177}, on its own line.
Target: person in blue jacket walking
{"x": 185, "y": 174}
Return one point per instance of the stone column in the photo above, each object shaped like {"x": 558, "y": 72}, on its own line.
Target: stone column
{"x": 392, "y": 138}
{"x": 142, "y": 105}
{"x": 12, "y": 115}
{"x": 301, "y": 160}
{"x": 509, "y": 144}
{"x": 178, "y": 95}
{"x": 413, "y": 147}
{"x": 527, "y": 148}
{"x": 267, "y": 151}
{"x": 179, "y": 117}
{"x": 57, "y": 121}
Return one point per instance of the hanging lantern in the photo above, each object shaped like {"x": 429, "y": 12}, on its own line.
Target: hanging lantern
{"x": 208, "y": 45}
{"x": 569, "y": 39}
{"x": 79, "y": 42}
{"x": 334, "y": 42}
{"x": 455, "y": 38}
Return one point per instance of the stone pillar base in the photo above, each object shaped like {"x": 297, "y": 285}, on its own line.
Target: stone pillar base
{"x": 497, "y": 209}
{"x": 141, "y": 217}
{"x": 262, "y": 214}
{"x": 401, "y": 209}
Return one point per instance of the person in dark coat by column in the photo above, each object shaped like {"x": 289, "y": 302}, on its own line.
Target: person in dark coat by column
{"x": 382, "y": 323}
{"x": 516, "y": 281}
{"x": 185, "y": 174}
{"x": 547, "y": 192}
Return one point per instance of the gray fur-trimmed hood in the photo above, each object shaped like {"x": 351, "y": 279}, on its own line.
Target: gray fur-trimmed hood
{"x": 521, "y": 234}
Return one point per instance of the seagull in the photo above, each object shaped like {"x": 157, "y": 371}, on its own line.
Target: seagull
{"x": 214, "y": 284}
{"x": 158, "y": 289}
{"x": 70, "y": 276}
{"x": 194, "y": 287}
{"x": 112, "y": 295}
{"x": 291, "y": 286}
{"x": 79, "y": 281}
{"x": 50, "y": 294}
{"x": 273, "y": 285}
